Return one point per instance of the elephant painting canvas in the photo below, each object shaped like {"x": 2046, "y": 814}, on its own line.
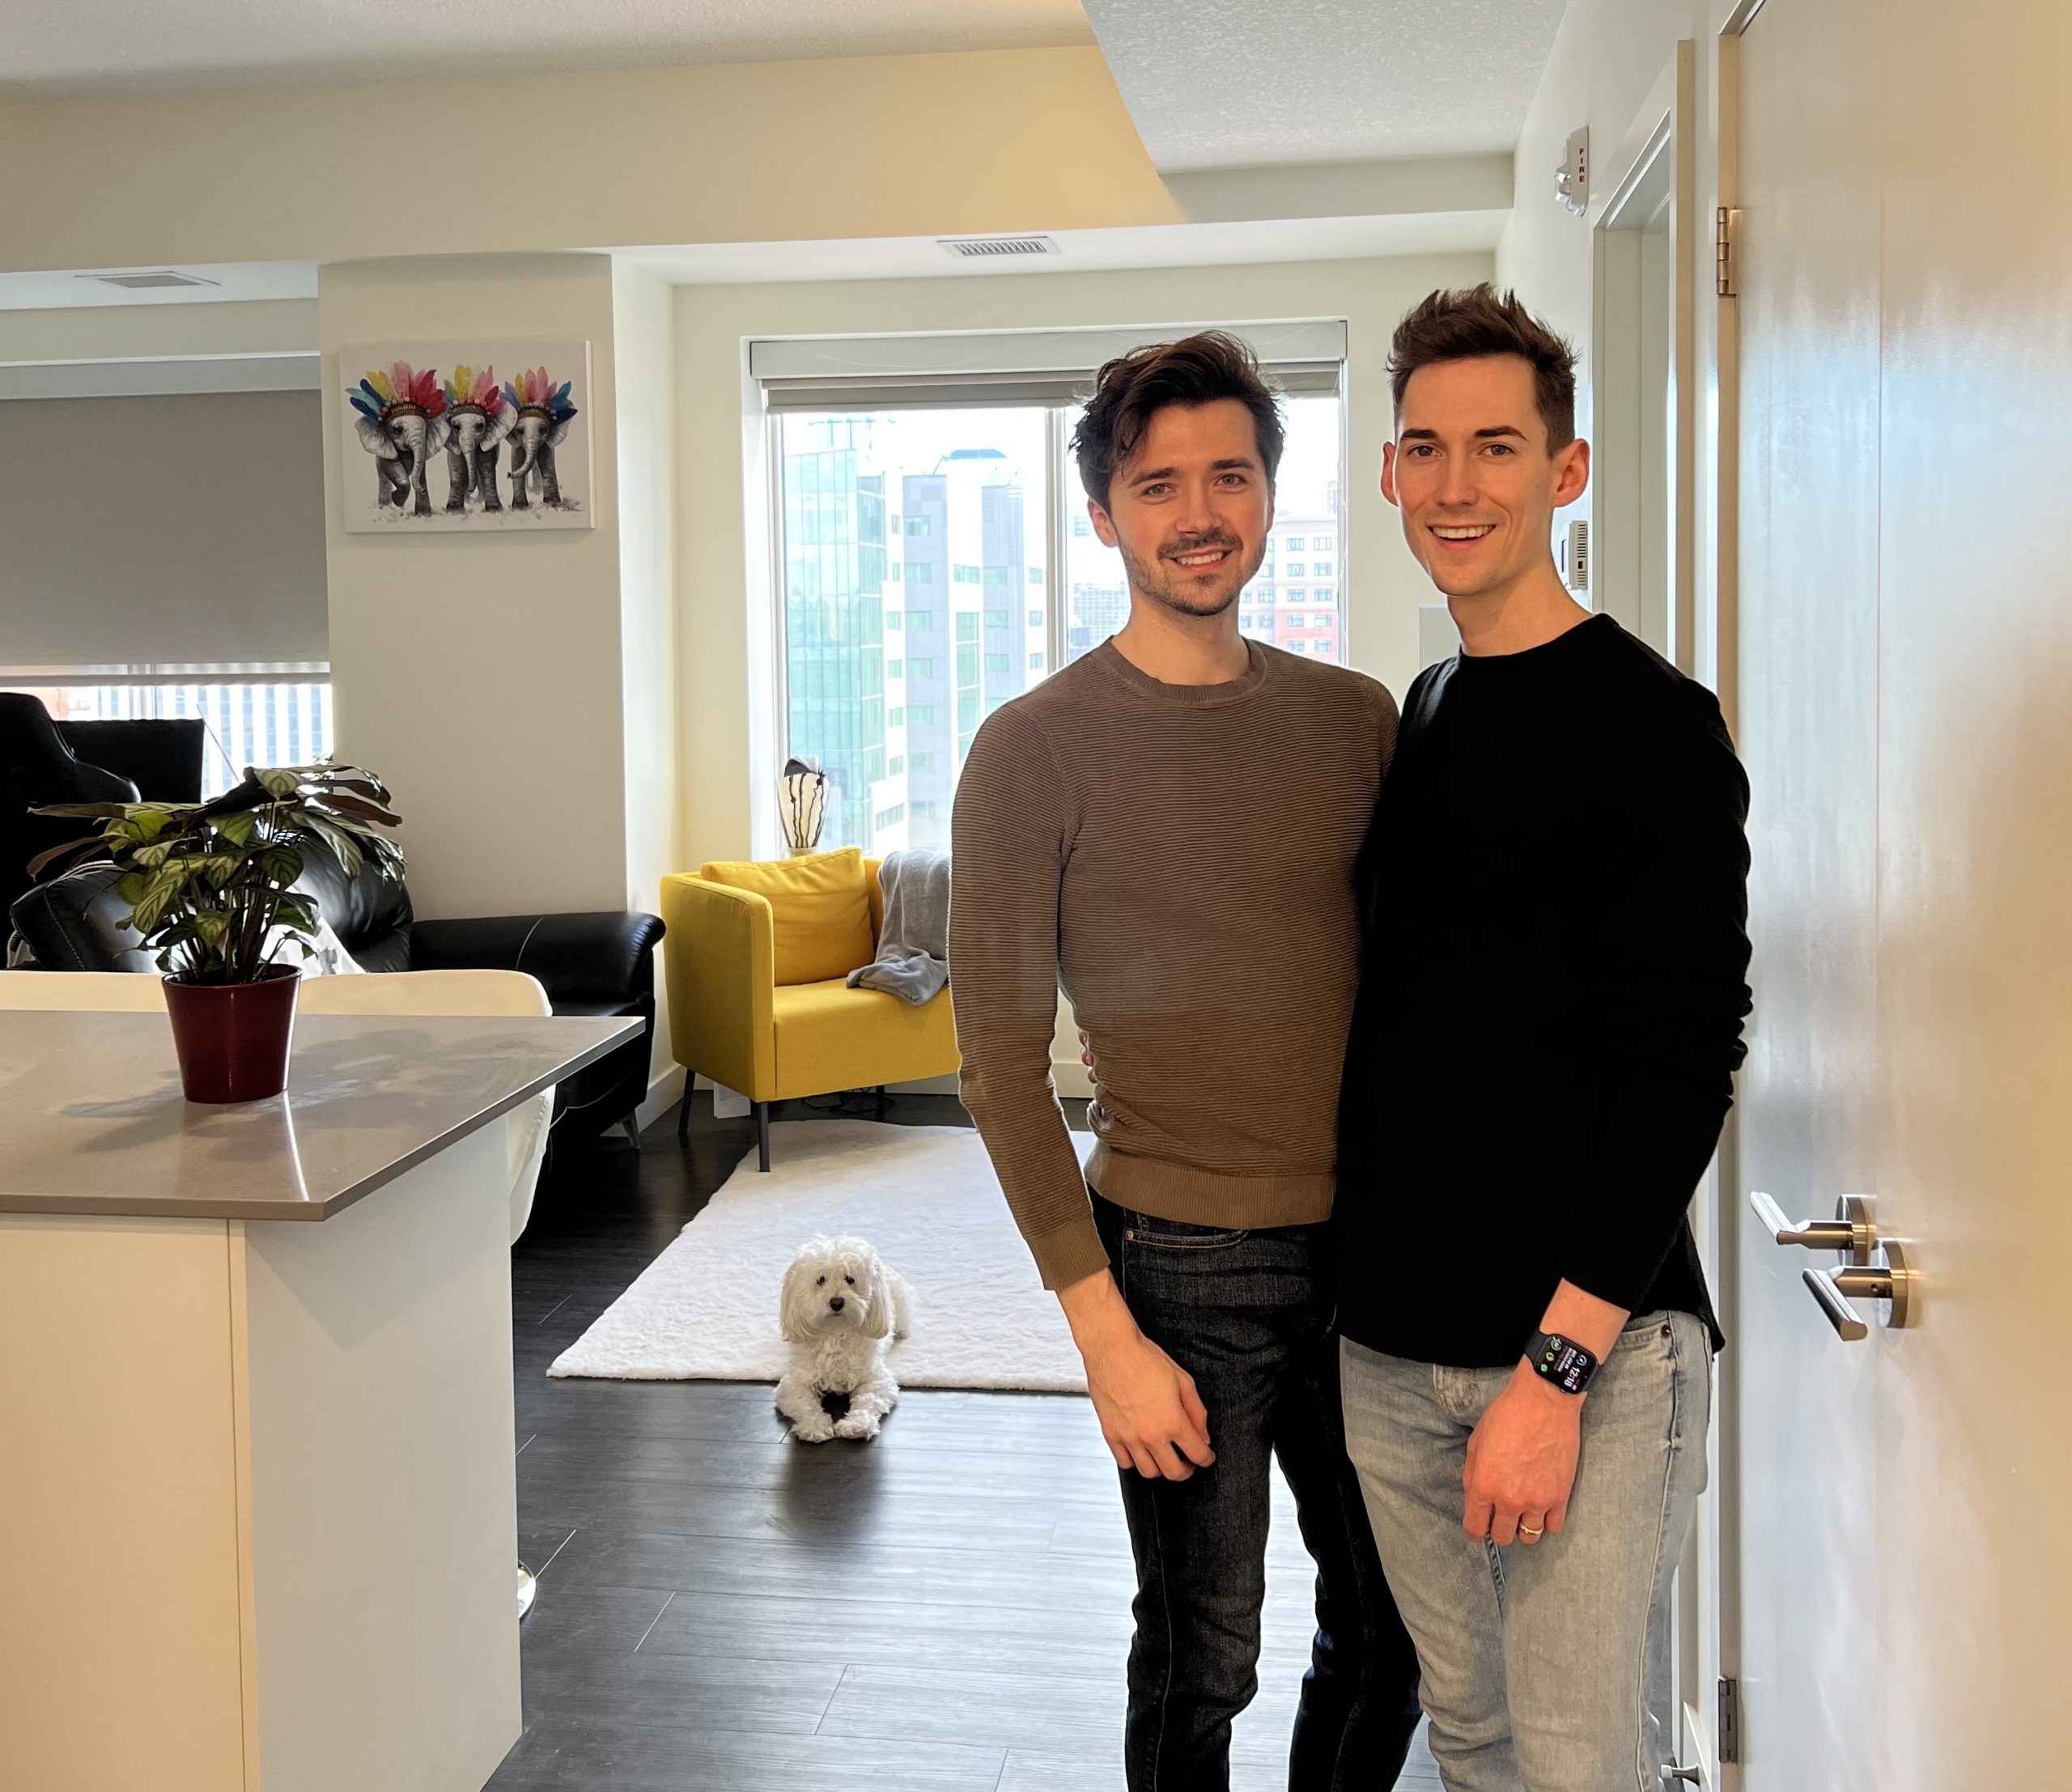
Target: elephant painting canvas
{"x": 407, "y": 403}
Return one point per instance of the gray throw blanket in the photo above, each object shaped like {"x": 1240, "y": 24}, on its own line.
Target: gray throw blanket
{"x": 913, "y": 946}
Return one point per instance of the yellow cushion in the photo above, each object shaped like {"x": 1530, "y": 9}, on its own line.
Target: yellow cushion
{"x": 830, "y": 1037}
{"x": 821, "y": 905}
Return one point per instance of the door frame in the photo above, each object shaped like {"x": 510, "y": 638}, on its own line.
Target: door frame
{"x": 1656, "y": 167}
{"x": 1723, "y": 627}
{"x": 1657, "y": 162}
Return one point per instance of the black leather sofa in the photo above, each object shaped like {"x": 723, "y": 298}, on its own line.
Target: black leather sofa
{"x": 599, "y": 964}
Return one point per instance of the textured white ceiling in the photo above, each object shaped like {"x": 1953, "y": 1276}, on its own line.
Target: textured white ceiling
{"x": 88, "y": 45}
{"x": 1233, "y": 84}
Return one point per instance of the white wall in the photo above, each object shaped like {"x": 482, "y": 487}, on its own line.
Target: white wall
{"x": 643, "y": 331}
{"x": 729, "y": 743}
{"x": 124, "y": 332}
{"x": 1612, "y": 69}
{"x": 482, "y": 676}
{"x": 740, "y": 152}
{"x": 161, "y": 530}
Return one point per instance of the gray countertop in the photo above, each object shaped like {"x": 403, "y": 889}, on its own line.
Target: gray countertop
{"x": 93, "y": 1120}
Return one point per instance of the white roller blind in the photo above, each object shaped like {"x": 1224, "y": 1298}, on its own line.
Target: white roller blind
{"x": 182, "y": 530}
{"x": 1001, "y": 367}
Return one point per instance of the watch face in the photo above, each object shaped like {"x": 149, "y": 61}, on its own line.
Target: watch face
{"x": 1568, "y": 1365}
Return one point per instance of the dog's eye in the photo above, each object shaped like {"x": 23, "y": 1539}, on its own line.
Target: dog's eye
{"x": 850, "y": 1279}
{"x": 819, "y": 1281}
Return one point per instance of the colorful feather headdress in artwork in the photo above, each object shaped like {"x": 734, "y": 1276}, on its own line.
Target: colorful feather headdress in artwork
{"x": 469, "y": 390}
{"x": 380, "y": 396}
{"x": 532, "y": 390}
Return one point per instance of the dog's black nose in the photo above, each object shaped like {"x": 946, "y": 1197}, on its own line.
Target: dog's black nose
{"x": 835, "y": 1305}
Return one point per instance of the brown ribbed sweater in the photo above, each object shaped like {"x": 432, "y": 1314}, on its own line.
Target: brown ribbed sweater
{"x": 1179, "y": 858}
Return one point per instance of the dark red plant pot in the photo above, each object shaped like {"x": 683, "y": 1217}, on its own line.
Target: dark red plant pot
{"x": 232, "y": 1038}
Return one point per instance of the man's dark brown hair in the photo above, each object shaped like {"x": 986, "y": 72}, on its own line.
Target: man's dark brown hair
{"x": 1476, "y": 321}
{"x": 1197, "y": 370}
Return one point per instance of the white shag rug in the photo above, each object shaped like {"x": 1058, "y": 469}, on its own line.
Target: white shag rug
{"x": 705, "y": 1310}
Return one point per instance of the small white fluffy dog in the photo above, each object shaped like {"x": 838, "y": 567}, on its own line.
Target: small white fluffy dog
{"x": 841, "y": 1307}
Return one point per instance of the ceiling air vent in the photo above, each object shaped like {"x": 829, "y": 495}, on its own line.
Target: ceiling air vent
{"x": 989, "y": 248}
{"x": 141, "y": 282}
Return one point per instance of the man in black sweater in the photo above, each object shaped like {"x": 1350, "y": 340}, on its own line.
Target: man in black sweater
{"x": 1552, "y": 989}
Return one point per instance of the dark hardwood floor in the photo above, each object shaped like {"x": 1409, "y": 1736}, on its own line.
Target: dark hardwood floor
{"x": 722, "y": 1610}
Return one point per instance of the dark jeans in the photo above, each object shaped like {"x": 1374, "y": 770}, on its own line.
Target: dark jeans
{"x": 1248, "y": 1315}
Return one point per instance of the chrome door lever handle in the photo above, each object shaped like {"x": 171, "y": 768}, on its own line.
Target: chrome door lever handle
{"x": 1850, "y": 1234}
{"x": 1688, "y": 1776}
{"x": 1893, "y": 1281}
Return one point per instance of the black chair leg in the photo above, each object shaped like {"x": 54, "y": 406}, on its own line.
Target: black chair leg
{"x": 762, "y": 1133}
{"x": 880, "y": 1102}
{"x": 683, "y": 1112}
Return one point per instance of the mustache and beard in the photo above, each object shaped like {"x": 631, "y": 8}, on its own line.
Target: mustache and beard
{"x": 1191, "y": 594}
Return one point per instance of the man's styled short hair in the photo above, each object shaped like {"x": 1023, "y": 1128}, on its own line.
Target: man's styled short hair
{"x": 1475, "y": 321}
{"x": 1197, "y": 370}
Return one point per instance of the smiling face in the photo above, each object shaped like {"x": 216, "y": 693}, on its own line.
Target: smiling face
{"x": 1471, "y": 472}
{"x": 1190, "y": 508}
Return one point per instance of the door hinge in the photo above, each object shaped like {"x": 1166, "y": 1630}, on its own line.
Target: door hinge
{"x": 1726, "y": 261}
{"x": 1727, "y": 1739}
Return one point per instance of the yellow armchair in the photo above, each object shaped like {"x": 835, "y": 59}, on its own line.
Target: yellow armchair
{"x": 731, "y": 1020}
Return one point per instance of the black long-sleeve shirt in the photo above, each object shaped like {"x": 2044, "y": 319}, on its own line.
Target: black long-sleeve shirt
{"x": 1552, "y": 988}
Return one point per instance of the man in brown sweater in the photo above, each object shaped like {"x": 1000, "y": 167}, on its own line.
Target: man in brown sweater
{"x": 1167, "y": 827}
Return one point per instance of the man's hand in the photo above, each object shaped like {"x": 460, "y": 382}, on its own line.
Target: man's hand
{"x": 1152, "y": 1417}
{"x": 1522, "y": 1460}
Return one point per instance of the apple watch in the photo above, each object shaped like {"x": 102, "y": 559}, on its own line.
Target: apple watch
{"x": 1561, "y": 1360}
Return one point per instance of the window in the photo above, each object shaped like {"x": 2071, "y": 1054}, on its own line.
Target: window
{"x": 897, "y": 766}
{"x": 1292, "y": 543}
{"x": 1293, "y": 570}
{"x": 874, "y": 504}
{"x": 282, "y": 718}
{"x": 1320, "y": 569}
{"x": 888, "y": 818}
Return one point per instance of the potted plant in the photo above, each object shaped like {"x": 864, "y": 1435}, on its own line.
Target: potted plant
{"x": 210, "y": 887}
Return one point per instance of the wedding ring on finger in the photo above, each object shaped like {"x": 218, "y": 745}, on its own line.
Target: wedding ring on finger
{"x": 1529, "y": 1533}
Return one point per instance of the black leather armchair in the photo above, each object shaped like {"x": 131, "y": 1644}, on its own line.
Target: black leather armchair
{"x": 36, "y": 767}
{"x": 591, "y": 964}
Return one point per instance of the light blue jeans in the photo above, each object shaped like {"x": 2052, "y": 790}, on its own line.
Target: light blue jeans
{"x": 1546, "y": 1666}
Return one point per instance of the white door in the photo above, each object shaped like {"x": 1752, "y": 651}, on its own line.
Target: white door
{"x": 1904, "y": 615}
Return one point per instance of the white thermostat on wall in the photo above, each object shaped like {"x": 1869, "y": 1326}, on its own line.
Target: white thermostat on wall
{"x": 1572, "y": 178}
{"x": 1578, "y": 557}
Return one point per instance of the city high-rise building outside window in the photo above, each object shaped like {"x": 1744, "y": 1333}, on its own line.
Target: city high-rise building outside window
{"x": 919, "y": 591}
